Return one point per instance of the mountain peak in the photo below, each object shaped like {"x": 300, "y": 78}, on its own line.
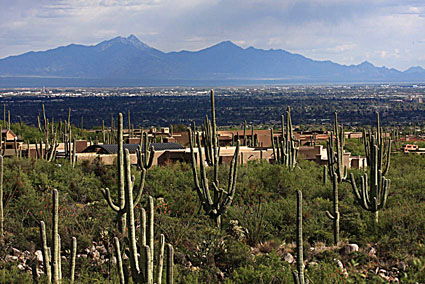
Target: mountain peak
{"x": 227, "y": 44}
{"x": 414, "y": 69}
{"x": 131, "y": 40}
{"x": 366, "y": 64}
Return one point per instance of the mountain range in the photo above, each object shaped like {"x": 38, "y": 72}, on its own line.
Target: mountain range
{"x": 128, "y": 61}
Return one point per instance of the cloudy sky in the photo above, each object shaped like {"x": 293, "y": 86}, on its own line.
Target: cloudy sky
{"x": 390, "y": 33}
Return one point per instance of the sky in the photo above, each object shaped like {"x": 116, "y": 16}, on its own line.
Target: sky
{"x": 386, "y": 33}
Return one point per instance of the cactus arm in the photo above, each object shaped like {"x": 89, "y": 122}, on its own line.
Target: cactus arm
{"x": 107, "y": 195}
{"x": 119, "y": 260}
{"x": 59, "y": 258}
{"x": 330, "y": 216}
{"x": 354, "y": 186}
{"x": 388, "y": 158}
{"x": 73, "y": 256}
{"x": 45, "y": 250}
{"x": 365, "y": 200}
{"x": 204, "y": 181}
{"x": 296, "y": 278}
{"x": 170, "y": 264}
{"x": 142, "y": 239}
{"x": 140, "y": 188}
{"x": 160, "y": 259}
{"x": 148, "y": 264}
{"x": 273, "y": 146}
{"x": 195, "y": 173}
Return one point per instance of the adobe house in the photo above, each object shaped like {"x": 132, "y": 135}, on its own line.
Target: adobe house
{"x": 165, "y": 153}
{"x": 9, "y": 140}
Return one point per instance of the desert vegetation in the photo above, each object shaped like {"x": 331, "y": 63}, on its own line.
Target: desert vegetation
{"x": 259, "y": 222}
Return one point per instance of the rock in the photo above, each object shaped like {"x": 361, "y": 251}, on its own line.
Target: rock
{"x": 63, "y": 258}
{"x": 372, "y": 251}
{"x": 95, "y": 255}
{"x": 350, "y": 248}
{"x": 16, "y": 252}
{"x": 339, "y": 264}
{"x": 289, "y": 258}
{"x": 39, "y": 272}
{"x": 11, "y": 258}
{"x": 114, "y": 260}
{"x": 312, "y": 263}
{"x": 385, "y": 277}
{"x": 402, "y": 266}
{"x": 39, "y": 256}
{"x": 21, "y": 267}
{"x": 102, "y": 250}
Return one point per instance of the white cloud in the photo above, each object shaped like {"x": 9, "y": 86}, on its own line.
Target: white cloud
{"x": 345, "y": 31}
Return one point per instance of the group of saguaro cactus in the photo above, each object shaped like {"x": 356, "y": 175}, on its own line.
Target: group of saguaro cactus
{"x": 285, "y": 150}
{"x": 142, "y": 268}
{"x": 335, "y": 148}
{"x": 47, "y": 148}
{"x": 215, "y": 205}
{"x": 251, "y": 142}
{"x": 52, "y": 257}
{"x": 129, "y": 195}
{"x": 373, "y": 193}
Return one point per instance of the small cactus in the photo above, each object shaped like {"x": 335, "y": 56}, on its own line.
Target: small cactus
{"x": 52, "y": 263}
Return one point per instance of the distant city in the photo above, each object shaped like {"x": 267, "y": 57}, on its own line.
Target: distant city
{"x": 312, "y": 106}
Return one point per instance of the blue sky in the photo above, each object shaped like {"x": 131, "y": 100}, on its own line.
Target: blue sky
{"x": 390, "y": 33}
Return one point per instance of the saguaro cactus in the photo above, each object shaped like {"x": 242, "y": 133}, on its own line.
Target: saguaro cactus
{"x": 214, "y": 206}
{"x": 142, "y": 269}
{"x": 285, "y": 152}
{"x": 145, "y": 152}
{"x": 299, "y": 277}
{"x": 334, "y": 216}
{"x": 373, "y": 195}
{"x": 372, "y": 139}
{"x": 120, "y": 207}
{"x": 52, "y": 264}
{"x": 335, "y": 149}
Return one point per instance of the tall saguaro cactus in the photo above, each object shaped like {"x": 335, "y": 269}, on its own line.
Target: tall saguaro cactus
{"x": 52, "y": 264}
{"x": 285, "y": 150}
{"x": 215, "y": 205}
{"x": 121, "y": 206}
{"x": 373, "y": 194}
{"x": 299, "y": 277}
{"x": 335, "y": 149}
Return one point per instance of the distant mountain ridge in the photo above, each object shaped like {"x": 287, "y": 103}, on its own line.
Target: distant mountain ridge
{"x": 120, "y": 59}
